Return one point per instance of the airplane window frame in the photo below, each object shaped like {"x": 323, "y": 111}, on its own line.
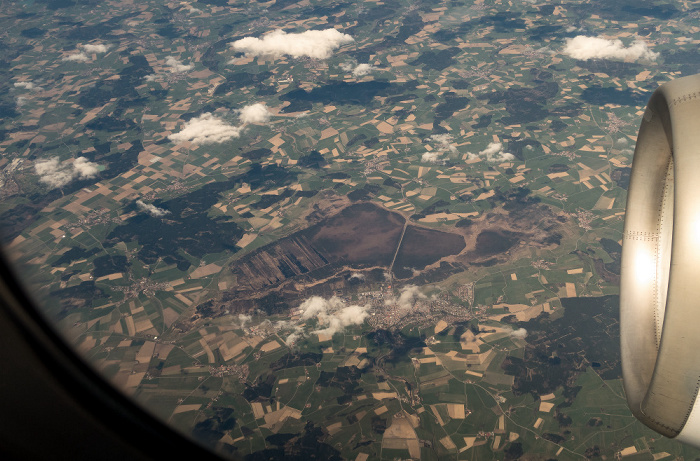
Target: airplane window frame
{"x": 43, "y": 353}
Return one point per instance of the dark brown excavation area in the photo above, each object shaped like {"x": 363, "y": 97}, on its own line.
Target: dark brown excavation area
{"x": 422, "y": 247}
{"x": 361, "y": 236}
{"x": 493, "y": 242}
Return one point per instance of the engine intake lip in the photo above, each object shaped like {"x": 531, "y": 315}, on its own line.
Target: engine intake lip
{"x": 660, "y": 274}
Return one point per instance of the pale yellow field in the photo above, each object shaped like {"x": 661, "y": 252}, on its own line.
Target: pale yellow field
{"x": 186, "y": 408}
{"x": 456, "y": 410}
{"x": 448, "y": 443}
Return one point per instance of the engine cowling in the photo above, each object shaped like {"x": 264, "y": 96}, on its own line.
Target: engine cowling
{"x": 660, "y": 274}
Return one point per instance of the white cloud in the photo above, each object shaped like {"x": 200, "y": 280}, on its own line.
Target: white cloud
{"x": 585, "y": 48}
{"x": 55, "y": 174}
{"x": 26, "y": 85}
{"x": 78, "y": 57}
{"x": 520, "y": 333}
{"x": 52, "y": 173}
{"x": 442, "y": 144}
{"x": 87, "y": 48}
{"x": 254, "y": 113}
{"x": 408, "y": 296}
{"x": 318, "y": 44}
{"x": 151, "y": 209}
{"x": 333, "y": 315}
{"x": 363, "y": 69}
{"x": 190, "y": 8}
{"x": 493, "y": 153}
{"x": 492, "y": 149}
{"x": 430, "y": 157}
{"x": 292, "y": 338}
{"x": 98, "y": 48}
{"x": 84, "y": 168}
{"x": 176, "y": 66}
{"x": 357, "y": 70}
{"x": 206, "y": 129}
{"x": 316, "y": 305}
{"x": 336, "y": 322}
{"x": 150, "y": 77}
{"x": 244, "y": 318}
{"x": 281, "y": 324}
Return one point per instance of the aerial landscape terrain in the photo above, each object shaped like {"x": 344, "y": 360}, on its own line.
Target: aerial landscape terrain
{"x": 343, "y": 230}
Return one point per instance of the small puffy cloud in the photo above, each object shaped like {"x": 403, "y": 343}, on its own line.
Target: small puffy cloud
{"x": 254, "y": 113}
{"x": 206, "y": 129}
{"x": 282, "y": 324}
{"x": 78, "y": 57}
{"x": 316, "y": 305}
{"x": 292, "y": 338}
{"x": 82, "y": 56}
{"x": 26, "y": 85}
{"x": 84, "y": 169}
{"x": 95, "y": 48}
{"x": 443, "y": 142}
{"x": 336, "y": 322}
{"x": 151, "y": 209}
{"x": 190, "y": 8}
{"x": 357, "y": 70}
{"x": 176, "y": 66}
{"x": 55, "y": 174}
{"x": 318, "y": 44}
{"x": 430, "y": 157}
{"x": 520, "y": 333}
{"x": 493, "y": 148}
{"x": 493, "y": 153}
{"x": 408, "y": 296}
{"x": 150, "y": 77}
{"x": 362, "y": 69}
{"x": 585, "y": 48}
{"x": 333, "y": 314}
{"x": 52, "y": 173}
{"x": 244, "y": 318}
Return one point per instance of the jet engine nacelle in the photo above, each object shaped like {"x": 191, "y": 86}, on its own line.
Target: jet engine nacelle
{"x": 660, "y": 276}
